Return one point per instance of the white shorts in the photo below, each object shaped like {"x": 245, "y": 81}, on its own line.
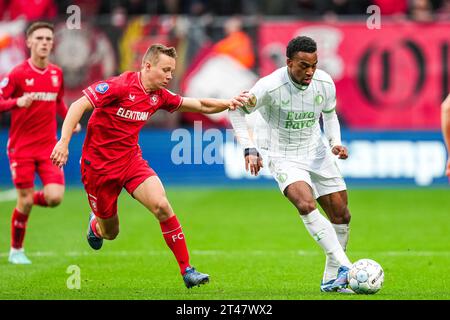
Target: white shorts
{"x": 324, "y": 179}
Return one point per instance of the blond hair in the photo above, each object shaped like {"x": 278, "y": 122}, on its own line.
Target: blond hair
{"x": 155, "y": 50}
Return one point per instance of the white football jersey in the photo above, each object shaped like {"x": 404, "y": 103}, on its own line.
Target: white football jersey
{"x": 289, "y": 124}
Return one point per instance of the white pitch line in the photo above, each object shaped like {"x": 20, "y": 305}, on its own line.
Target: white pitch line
{"x": 8, "y": 195}
{"x": 227, "y": 253}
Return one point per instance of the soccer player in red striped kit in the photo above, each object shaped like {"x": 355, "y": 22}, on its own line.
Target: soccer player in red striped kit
{"x": 112, "y": 159}
{"x": 33, "y": 92}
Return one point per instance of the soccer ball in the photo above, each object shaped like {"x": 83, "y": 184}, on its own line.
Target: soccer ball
{"x": 366, "y": 276}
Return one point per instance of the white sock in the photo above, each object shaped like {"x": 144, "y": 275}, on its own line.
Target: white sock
{"x": 14, "y": 250}
{"x": 331, "y": 265}
{"x": 322, "y": 231}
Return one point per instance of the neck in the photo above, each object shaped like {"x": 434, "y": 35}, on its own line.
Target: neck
{"x": 148, "y": 87}
{"x": 39, "y": 62}
{"x": 297, "y": 84}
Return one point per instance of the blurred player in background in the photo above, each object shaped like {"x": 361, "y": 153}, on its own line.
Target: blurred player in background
{"x": 33, "y": 92}
{"x": 291, "y": 101}
{"x": 112, "y": 159}
{"x": 445, "y": 121}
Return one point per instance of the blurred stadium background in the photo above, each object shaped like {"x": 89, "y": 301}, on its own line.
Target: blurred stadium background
{"x": 390, "y": 83}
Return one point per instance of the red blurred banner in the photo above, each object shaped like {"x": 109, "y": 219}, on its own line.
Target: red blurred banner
{"x": 390, "y": 78}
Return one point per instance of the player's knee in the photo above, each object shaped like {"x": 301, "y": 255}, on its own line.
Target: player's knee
{"x": 25, "y": 203}
{"x": 306, "y": 207}
{"x": 54, "y": 200}
{"x": 161, "y": 209}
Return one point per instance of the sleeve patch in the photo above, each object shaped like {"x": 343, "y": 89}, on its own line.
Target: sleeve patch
{"x": 102, "y": 87}
{"x": 4, "y": 82}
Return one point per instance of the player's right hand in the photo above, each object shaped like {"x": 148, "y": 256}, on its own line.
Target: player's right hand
{"x": 60, "y": 154}
{"x": 25, "y": 100}
{"x": 253, "y": 161}
{"x": 240, "y": 100}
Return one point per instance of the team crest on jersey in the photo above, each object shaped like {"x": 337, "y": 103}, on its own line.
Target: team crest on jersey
{"x": 4, "y": 82}
{"x": 318, "y": 99}
{"x": 154, "y": 99}
{"x": 102, "y": 87}
{"x": 55, "y": 81}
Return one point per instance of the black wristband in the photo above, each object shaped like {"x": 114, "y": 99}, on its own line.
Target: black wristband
{"x": 251, "y": 151}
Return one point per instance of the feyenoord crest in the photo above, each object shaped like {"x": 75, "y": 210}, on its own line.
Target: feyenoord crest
{"x": 318, "y": 99}
{"x": 55, "y": 81}
{"x": 154, "y": 100}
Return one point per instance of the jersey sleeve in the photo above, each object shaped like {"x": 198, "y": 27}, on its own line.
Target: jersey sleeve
{"x": 172, "y": 101}
{"x": 7, "y": 90}
{"x": 330, "y": 99}
{"x": 104, "y": 93}
{"x": 259, "y": 97}
{"x": 8, "y": 86}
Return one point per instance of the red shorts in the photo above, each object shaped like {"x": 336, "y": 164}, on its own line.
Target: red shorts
{"x": 23, "y": 171}
{"x": 103, "y": 190}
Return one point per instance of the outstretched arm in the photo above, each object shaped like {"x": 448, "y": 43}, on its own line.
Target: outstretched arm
{"x": 209, "y": 105}
{"x": 61, "y": 151}
{"x": 445, "y": 122}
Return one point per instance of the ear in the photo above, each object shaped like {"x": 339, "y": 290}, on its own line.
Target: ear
{"x": 28, "y": 42}
{"x": 289, "y": 62}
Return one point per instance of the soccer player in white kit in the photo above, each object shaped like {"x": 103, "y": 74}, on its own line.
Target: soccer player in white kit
{"x": 290, "y": 102}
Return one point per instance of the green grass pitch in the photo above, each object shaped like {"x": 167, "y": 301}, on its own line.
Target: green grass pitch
{"x": 251, "y": 242}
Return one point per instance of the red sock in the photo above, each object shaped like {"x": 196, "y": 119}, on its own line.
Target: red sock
{"x": 18, "y": 228}
{"x": 173, "y": 234}
{"x": 39, "y": 199}
{"x": 94, "y": 227}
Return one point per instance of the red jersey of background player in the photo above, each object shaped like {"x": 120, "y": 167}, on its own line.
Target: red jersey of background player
{"x": 122, "y": 107}
{"x": 33, "y": 129}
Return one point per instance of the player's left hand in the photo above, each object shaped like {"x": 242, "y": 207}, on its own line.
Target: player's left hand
{"x": 340, "y": 151}
{"x": 77, "y": 128}
{"x": 60, "y": 154}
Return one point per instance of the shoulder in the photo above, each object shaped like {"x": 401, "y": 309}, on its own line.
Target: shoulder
{"x": 18, "y": 69}
{"x": 117, "y": 83}
{"x": 323, "y": 76}
{"x": 55, "y": 67}
{"x": 168, "y": 93}
{"x": 274, "y": 80}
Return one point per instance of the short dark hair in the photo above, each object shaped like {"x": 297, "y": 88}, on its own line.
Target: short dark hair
{"x": 155, "y": 50}
{"x": 39, "y": 25}
{"x": 300, "y": 44}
